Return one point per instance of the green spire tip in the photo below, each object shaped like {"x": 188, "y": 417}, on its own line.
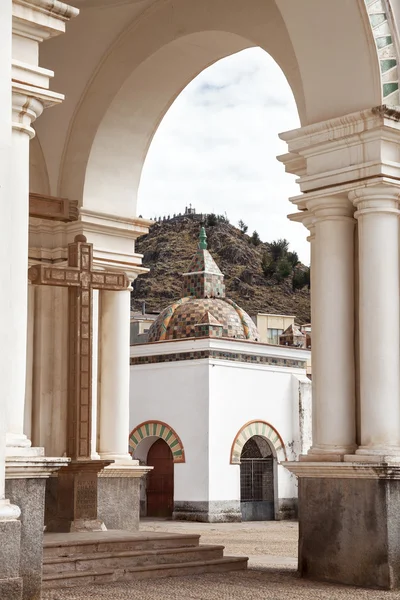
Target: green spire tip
{"x": 203, "y": 239}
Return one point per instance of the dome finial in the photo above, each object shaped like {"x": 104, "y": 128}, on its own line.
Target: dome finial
{"x": 203, "y": 239}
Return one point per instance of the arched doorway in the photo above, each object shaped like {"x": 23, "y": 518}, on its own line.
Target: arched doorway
{"x": 257, "y": 480}
{"x": 160, "y": 481}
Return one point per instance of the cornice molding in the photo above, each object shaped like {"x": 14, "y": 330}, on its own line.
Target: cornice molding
{"x": 40, "y": 20}
{"x": 344, "y": 470}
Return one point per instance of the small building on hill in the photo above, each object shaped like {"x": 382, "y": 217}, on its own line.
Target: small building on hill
{"x": 214, "y": 411}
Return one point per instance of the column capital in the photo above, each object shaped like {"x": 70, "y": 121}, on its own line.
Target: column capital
{"x": 382, "y": 198}
{"x": 330, "y": 208}
{"x": 307, "y": 219}
{"x": 28, "y": 103}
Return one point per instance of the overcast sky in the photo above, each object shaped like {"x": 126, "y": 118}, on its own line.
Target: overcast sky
{"x": 216, "y": 149}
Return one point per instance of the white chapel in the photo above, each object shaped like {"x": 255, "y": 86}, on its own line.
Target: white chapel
{"x": 215, "y": 412}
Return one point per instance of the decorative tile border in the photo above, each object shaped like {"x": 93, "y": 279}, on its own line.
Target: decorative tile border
{"x": 383, "y": 31}
{"x": 160, "y": 430}
{"x": 255, "y": 359}
{"x": 263, "y": 429}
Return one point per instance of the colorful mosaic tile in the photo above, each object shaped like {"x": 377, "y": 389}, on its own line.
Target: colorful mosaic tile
{"x": 219, "y": 355}
{"x": 189, "y": 312}
{"x": 160, "y": 430}
{"x": 382, "y": 29}
{"x": 203, "y": 285}
{"x": 263, "y": 429}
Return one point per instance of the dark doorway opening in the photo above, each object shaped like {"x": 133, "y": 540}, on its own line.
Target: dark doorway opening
{"x": 160, "y": 481}
{"x": 257, "y": 480}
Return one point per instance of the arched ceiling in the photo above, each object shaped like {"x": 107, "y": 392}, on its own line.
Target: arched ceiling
{"x": 122, "y": 62}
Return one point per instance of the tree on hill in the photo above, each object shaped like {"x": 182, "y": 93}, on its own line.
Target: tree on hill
{"x": 278, "y": 249}
{"x": 242, "y": 226}
{"x": 278, "y": 262}
{"x": 255, "y": 239}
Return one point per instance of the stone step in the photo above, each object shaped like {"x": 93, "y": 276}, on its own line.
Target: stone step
{"x": 83, "y": 578}
{"x": 58, "y": 545}
{"x": 123, "y": 560}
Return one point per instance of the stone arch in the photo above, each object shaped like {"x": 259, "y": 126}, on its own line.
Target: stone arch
{"x": 261, "y": 428}
{"x": 161, "y": 430}
{"x": 170, "y": 43}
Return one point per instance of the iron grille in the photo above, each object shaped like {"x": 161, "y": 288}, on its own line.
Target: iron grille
{"x": 256, "y": 480}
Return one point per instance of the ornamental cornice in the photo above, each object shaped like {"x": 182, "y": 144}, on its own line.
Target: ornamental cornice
{"x": 335, "y": 129}
{"x": 40, "y": 20}
{"x": 344, "y": 470}
{"x": 135, "y": 471}
{"x": 28, "y": 467}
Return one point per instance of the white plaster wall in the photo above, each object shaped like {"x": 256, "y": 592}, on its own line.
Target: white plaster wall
{"x": 240, "y": 393}
{"x": 176, "y": 393}
{"x": 207, "y": 402}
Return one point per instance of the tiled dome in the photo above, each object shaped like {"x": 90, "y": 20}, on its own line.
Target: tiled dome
{"x": 204, "y": 311}
{"x": 180, "y": 320}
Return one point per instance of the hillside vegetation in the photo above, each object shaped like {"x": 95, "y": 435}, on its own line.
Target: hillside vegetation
{"x": 260, "y": 277}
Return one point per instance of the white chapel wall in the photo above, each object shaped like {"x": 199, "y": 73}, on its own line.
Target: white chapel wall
{"x": 180, "y": 400}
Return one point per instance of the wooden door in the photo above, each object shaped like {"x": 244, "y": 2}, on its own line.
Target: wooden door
{"x": 160, "y": 481}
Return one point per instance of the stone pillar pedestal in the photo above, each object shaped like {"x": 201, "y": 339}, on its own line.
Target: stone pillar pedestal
{"x": 10, "y": 549}
{"x": 349, "y": 512}
{"x": 119, "y": 495}
{"x": 25, "y": 486}
{"x": 72, "y": 498}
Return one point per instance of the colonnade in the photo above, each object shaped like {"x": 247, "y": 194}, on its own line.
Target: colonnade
{"x": 354, "y": 239}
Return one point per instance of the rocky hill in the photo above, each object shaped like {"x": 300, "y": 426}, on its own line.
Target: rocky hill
{"x": 167, "y": 251}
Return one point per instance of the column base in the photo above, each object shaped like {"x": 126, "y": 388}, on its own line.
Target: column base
{"x": 349, "y": 523}
{"x": 17, "y": 440}
{"x": 83, "y": 525}
{"x": 213, "y": 511}
{"x": 119, "y": 495}
{"x": 327, "y": 453}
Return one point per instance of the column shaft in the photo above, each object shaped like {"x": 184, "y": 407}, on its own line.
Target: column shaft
{"x": 379, "y": 320}
{"x": 333, "y": 332}
{"x": 7, "y": 323}
{"x": 19, "y": 208}
{"x": 114, "y": 375}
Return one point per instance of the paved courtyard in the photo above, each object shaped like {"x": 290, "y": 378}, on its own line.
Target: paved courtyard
{"x": 271, "y": 548}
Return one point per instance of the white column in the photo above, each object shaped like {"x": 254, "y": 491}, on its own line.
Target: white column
{"x": 114, "y": 375}
{"x": 333, "y": 329}
{"x": 379, "y": 306}
{"x": 309, "y": 223}
{"x": 25, "y": 109}
{"x": 7, "y": 510}
{"x": 95, "y": 363}
{"x": 28, "y": 410}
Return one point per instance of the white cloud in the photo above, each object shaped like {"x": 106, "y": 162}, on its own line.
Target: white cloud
{"x": 216, "y": 148}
